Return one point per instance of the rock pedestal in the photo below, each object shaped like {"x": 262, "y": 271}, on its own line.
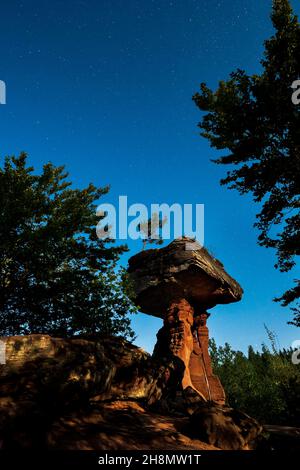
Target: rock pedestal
{"x": 175, "y": 337}
{"x": 201, "y": 373}
{"x": 179, "y": 283}
{"x": 186, "y": 336}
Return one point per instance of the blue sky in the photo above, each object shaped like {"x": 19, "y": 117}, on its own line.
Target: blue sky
{"x": 105, "y": 87}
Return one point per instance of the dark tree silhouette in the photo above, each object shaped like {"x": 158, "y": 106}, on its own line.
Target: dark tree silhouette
{"x": 56, "y": 276}
{"x": 253, "y": 116}
{"x": 150, "y": 230}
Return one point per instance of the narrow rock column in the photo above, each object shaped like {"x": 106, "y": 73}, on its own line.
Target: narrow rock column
{"x": 176, "y": 337}
{"x": 203, "y": 338}
{"x": 179, "y": 320}
{"x": 201, "y": 372}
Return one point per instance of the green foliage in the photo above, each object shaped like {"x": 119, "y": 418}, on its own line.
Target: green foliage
{"x": 150, "y": 230}
{"x": 265, "y": 384}
{"x": 56, "y": 276}
{"x": 254, "y": 118}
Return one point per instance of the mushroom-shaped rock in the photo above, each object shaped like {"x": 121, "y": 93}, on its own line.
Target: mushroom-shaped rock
{"x": 183, "y": 269}
{"x": 178, "y": 283}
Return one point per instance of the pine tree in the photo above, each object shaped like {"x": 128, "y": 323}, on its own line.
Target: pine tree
{"x": 56, "y": 276}
{"x": 253, "y": 117}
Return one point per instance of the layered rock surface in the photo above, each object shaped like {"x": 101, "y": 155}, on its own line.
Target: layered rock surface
{"x": 99, "y": 395}
{"x": 183, "y": 269}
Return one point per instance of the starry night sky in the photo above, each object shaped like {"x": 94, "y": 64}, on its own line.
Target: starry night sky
{"x": 106, "y": 88}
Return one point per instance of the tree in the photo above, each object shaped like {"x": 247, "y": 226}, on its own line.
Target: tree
{"x": 150, "y": 230}
{"x": 263, "y": 384}
{"x": 56, "y": 276}
{"x": 253, "y": 116}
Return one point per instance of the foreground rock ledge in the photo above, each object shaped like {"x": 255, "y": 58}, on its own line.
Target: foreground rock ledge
{"x": 105, "y": 394}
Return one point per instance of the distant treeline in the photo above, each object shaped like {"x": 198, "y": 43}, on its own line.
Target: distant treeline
{"x": 265, "y": 384}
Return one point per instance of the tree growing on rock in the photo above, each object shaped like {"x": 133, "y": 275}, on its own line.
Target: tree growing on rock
{"x": 150, "y": 230}
{"x": 253, "y": 117}
{"x": 56, "y": 276}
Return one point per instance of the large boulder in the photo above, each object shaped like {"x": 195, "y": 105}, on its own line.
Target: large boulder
{"x": 43, "y": 376}
{"x": 224, "y": 427}
{"x": 72, "y": 368}
{"x": 182, "y": 269}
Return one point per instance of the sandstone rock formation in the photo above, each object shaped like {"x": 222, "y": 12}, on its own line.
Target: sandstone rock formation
{"x": 45, "y": 376}
{"x": 106, "y": 393}
{"x": 80, "y": 394}
{"x": 122, "y": 425}
{"x": 179, "y": 283}
{"x": 224, "y": 427}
